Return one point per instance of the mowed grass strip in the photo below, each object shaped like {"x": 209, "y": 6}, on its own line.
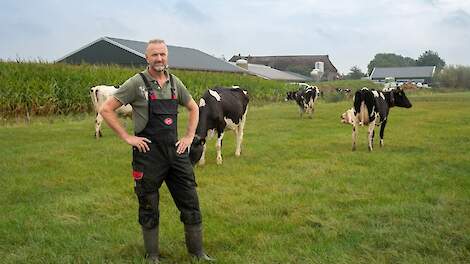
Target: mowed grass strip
{"x": 298, "y": 194}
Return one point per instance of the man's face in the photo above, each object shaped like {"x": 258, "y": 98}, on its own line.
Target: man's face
{"x": 157, "y": 56}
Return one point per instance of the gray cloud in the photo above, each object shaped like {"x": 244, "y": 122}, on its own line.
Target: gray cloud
{"x": 459, "y": 18}
{"x": 351, "y": 32}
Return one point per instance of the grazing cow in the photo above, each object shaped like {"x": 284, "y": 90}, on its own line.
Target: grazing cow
{"x": 343, "y": 90}
{"x": 305, "y": 98}
{"x": 99, "y": 94}
{"x": 220, "y": 108}
{"x": 371, "y": 108}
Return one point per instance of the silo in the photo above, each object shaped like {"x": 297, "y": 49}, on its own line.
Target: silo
{"x": 320, "y": 65}
{"x": 242, "y": 63}
{"x": 316, "y": 74}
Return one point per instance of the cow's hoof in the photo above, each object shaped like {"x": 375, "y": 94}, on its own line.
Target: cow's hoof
{"x": 201, "y": 162}
{"x": 219, "y": 162}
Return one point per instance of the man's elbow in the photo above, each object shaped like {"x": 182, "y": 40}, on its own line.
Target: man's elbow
{"x": 193, "y": 107}
{"x": 105, "y": 109}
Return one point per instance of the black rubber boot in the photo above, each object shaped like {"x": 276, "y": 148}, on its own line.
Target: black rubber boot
{"x": 193, "y": 237}
{"x": 151, "y": 244}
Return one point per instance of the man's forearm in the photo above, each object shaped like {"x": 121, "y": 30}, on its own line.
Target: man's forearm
{"x": 112, "y": 120}
{"x": 192, "y": 122}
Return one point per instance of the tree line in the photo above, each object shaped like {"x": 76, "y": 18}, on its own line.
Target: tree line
{"x": 428, "y": 58}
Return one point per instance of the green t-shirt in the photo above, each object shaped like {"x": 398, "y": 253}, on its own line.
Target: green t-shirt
{"x": 134, "y": 92}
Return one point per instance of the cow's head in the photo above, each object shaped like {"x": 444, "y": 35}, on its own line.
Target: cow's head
{"x": 197, "y": 147}
{"x": 291, "y": 95}
{"x": 348, "y": 117}
{"x": 399, "y": 98}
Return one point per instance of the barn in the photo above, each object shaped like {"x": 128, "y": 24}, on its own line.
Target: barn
{"x": 417, "y": 74}
{"x": 107, "y": 50}
{"x": 299, "y": 64}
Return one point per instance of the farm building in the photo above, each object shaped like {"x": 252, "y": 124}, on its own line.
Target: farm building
{"x": 418, "y": 74}
{"x": 299, "y": 64}
{"x": 125, "y": 52}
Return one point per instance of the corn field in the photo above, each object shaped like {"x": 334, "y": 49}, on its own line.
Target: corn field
{"x": 39, "y": 88}
{"x": 31, "y": 88}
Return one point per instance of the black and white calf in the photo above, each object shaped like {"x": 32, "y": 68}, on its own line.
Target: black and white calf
{"x": 220, "y": 108}
{"x": 99, "y": 94}
{"x": 305, "y": 98}
{"x": 372, "y": 107}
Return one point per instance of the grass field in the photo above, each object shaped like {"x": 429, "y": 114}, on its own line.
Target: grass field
{"x": 298, "y": 194}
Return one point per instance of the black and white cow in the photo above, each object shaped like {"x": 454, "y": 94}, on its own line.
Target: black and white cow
{"x": 99, "y": 94}
{"x": 372, "y": 107}
{"x": 343, "y": 90}
{"x": 305, "y": 98}
{"x": 220, "y": 108}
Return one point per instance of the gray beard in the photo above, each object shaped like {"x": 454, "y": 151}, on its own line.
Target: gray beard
{"x": 160, "y": 68}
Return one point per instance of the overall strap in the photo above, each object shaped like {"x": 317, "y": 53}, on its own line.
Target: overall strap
{"x": 172, "y": 85}
{"x": 147, "y": 84}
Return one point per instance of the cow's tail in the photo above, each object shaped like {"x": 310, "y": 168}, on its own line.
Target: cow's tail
{"x": 358, "y": 99}
{"x": 360, "y": 109}
{"x": 94, "y": 98}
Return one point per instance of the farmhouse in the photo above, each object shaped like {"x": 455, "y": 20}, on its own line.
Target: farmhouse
{"x": 299, "y": 64}
{"x": 126, "y": 52}
{"x": 418, "y": 74}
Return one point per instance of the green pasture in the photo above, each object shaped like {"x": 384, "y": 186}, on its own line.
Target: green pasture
{"x": 298, "y": 194}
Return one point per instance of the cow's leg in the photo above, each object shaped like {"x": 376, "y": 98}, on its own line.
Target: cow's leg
{"x": 98, "y": 121}
{"x": 354, "y": 133}
{"x": 218, "y": 147}
{"x": 239, "y": 133}
{"x": 202, "y": 161}
{"x": 371, "y": 134}
{"x": 310, "y": 108}
{"x": 382, "y": 129}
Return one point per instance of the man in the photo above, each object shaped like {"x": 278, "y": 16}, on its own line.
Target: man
{"x": 158, "y": 155}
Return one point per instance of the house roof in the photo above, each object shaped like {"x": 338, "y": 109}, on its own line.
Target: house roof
{"x": 273, "y": 74}
{"x": 179, "y": 57}
{"x": 283, "y": 62}
{"x": 403, "y": 72}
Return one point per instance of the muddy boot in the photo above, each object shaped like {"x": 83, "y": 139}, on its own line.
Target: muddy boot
{"x": 193, "y": 237}
{"x": 151, "y": 244}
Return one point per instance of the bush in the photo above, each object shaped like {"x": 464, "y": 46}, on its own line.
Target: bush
{"x": 456, "y": 77}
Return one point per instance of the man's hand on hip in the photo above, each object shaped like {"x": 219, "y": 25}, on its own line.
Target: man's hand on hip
{"x": 139, "y": 142}
{"x": 183, "y": 144}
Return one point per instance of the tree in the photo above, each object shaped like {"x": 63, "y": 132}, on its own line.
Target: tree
{"x": 389, "y": 60}
{"x": 355, "y": 73}
{"x": 430, "y": 58}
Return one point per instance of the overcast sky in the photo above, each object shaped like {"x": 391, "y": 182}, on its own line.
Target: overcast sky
{"x": 350, "y": 32}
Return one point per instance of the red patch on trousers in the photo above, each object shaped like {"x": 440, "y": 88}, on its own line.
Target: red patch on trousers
{"x": 153, "y": 96}
{"x": 168, "y": 121}
{"x": 137, "y": 174}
